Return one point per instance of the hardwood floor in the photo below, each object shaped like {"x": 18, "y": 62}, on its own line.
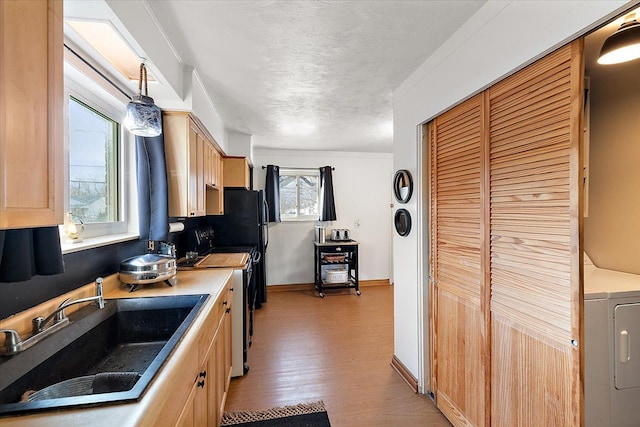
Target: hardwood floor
{"x": 337, "y": 349}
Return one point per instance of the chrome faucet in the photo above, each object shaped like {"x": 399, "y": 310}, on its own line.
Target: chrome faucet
{"x": 40, "y": 322}
{"x": 13, "y": 343}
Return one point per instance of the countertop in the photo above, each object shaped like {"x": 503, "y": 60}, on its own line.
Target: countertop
{"x": 159, "y": 393}
{"x": 223, "y": 260}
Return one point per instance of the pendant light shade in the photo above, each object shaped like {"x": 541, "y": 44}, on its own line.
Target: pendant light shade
{"x": 624, "y": 44}
{"x": 143, "y": 116}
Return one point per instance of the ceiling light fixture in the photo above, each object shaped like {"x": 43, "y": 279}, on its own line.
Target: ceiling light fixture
{"x": 624, "y": 44}
{"x": 298, "y": 128}
{"x": 143, "y": 116}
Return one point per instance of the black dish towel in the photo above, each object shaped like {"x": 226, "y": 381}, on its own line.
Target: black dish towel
{"x": 26, "y": 252}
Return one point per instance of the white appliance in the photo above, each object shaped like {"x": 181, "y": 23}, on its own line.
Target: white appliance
{"x": 612, "y": 347}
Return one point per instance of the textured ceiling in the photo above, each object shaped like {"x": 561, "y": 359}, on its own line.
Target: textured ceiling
{"x": 308, "y": 74}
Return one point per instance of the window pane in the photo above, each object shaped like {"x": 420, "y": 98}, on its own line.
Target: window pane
{"x": 93, "y": 166}
{"x": 288, "y": 191}
{"x": 298, "y": 195}
{"x": 308, "y": 195}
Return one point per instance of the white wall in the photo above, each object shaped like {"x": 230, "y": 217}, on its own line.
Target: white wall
{"x": 611, "y": 231}
{"x": 499, "y": 38}
{"x": 362, "y": 190}
{"x": 240, "y": 144}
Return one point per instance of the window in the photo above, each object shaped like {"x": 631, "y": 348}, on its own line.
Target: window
{"x": 99, "y": 157}
{"x": 93, "y": 164}
{"x": 299, "y": 194}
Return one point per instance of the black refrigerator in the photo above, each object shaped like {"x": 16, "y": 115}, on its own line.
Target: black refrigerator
{"x": 245, "y": 223}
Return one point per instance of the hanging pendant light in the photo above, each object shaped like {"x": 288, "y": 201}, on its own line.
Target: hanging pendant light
{"x": 624, "y": 44}
{"x": 143, "y": 116}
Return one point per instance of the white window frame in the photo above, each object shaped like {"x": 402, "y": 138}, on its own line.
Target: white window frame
{"x": 300, "y": 172}
{"x": 90, "y": 92}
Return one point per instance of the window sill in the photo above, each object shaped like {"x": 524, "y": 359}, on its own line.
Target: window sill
{"x": 95, "y": 242}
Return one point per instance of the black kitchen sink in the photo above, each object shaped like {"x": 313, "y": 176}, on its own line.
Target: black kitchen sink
{"x": 103, "y": 356}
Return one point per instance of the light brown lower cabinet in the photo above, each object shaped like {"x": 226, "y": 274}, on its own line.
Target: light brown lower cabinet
{"x": 208, "y": 394}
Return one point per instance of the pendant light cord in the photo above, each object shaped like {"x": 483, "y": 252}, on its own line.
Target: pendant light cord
{"x": 143, "y": 74}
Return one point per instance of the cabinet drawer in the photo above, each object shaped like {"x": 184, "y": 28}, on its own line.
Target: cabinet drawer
{"x": 335, "y": 257}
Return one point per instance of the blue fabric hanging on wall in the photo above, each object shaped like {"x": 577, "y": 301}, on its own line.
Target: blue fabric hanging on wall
{"x": 27, "y": 252}
{"x": 327, "y": 201}
{"x": 272, "y": 192}
{"x": 151, "y": 171}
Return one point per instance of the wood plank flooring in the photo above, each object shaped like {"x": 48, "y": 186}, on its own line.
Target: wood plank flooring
{"x": 337, "y": 349}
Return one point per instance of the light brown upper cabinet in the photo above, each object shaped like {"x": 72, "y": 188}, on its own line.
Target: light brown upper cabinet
{"x": 31, "y": 118}
{"x": 236, "y": 172}
{"x": 215, "y": 190}
{"x": 193, "y": 168}
{"x": 506, "y": 214}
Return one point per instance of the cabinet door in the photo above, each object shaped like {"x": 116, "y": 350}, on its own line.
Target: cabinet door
{"x": 236, "y": 172}
{"x": 215, "y": 168}
{"x": 192, "y": 181}
{"x": 187, "y": 416}
{"x": 201, "y": 405}
{"x": 226, "y": 343}
{"x": 207, "y": 164}
{"x": 220, "y": 368}
{"x": 216, "y": 405}
{"x": 200, "y": 176}
{"x": 31, "y": 120}
{"x": 194, "y": 413}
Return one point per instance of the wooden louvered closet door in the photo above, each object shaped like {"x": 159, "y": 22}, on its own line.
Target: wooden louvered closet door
{"x": 457, "y": 286}
{"x": 535, "y": 131}
{"x": 506, "y": 251}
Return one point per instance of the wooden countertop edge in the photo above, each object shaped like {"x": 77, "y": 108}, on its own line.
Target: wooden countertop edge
{"x": 160, "y": 391}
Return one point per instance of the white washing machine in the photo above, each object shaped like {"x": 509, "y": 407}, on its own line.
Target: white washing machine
{"x": 612, "y": 347}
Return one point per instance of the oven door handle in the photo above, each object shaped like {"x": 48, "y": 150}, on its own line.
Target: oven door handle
{"x": 256, "y": 257}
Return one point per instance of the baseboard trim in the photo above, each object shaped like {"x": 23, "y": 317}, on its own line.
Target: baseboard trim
{"x": 404, "y": 373}
{"x": 310, "y": 286}
{"x": 374, "y": 282}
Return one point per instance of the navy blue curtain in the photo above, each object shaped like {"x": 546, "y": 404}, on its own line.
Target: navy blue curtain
{"x": 327, "y": 201}
{"x": 27, "y": 252}
{"x": 151, "y": 170}
{"x": 272, "y": 192}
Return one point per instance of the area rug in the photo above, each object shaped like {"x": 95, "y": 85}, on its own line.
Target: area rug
{"x": 302, "y": 415}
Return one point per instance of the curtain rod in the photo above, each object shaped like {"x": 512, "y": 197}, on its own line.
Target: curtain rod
{"x": 299, "y": 169}
{"x": 77, "y": 55}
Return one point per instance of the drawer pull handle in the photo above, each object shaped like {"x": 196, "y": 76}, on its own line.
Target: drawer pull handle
{"x": 228, "y": 310}
{"x": 224, "y": 302}
{"x": 231, "y": 289}
{"x": 203, "y": 374}
{"x": 201, "y": 384}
